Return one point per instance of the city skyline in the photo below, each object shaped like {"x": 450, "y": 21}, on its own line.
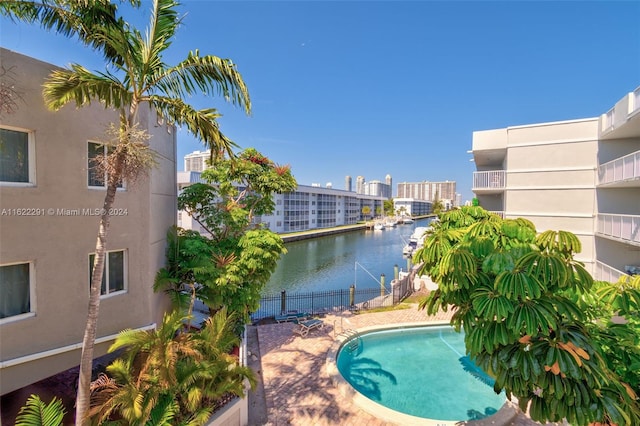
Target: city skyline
{"x": 376, "y": 88}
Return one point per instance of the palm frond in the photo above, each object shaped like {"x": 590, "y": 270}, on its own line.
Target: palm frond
{"x": 37, "y": 413}
{"x": 82, "y": 86}
{"x": 81, "y": 18}
{"x": 201, "y": 123}
{"x": 209, "y": 74}
{"x": 162, "y": 27}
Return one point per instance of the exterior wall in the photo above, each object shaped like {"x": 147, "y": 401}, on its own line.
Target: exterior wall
{"x": 550, "y": 178}
{"x": 47, "y": 341}
{"x": 581, "y": 176}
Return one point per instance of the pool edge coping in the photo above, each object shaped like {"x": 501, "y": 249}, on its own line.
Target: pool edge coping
{"x": 503, "y": 417}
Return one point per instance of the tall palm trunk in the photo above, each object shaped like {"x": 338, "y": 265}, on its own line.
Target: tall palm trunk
{"x": 86, "y": 359}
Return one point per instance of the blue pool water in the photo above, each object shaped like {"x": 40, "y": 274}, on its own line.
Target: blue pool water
{"x": 419, "y": 371}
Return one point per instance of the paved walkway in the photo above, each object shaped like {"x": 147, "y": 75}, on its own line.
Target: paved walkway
{"x": 297, "y": 389}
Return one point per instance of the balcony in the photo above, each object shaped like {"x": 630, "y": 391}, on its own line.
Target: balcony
{"x": 609, "y": 119}
{"x": 623, "y": 120}
{"x": 620, "y": 227}
{"x": 605, "y": 272}
{"x": 622, "y": 171}
{"x": 489, "y": 182}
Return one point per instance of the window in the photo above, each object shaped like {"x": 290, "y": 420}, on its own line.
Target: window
{"x": 96, "y": 178}
{"x": 16, "y": 157}
{"x": 114, "y": 275}
{"x": 15, "y": 290}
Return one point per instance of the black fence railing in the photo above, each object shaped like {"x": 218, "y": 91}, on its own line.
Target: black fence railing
{"x": 323, "y": 302}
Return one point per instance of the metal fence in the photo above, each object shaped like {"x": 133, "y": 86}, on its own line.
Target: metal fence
{"x": 324, "y": 302}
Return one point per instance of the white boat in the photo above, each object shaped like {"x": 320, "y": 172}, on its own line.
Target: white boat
{"x": 416, "y": 240}
{"x": 409, "y": 248}
{"x": 407, "y": 219}
{"x": 379, "y": 226}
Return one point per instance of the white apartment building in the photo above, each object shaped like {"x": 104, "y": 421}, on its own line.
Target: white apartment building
{"x": 184, "y": 220}
{"x": 49, "y": 199}
{"x": 412, "y": 207}
{"x": 309, "y": 207}
{"x": 196, "y": 161}
{"x": 313, "y": 207}
{"x": 581, "y": 176}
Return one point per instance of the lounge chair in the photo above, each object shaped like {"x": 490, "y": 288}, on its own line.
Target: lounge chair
{"x": 294, "y": 316}
{"x": 304, "y": 327}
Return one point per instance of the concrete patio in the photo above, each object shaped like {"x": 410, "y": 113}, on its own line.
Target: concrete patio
{"x": 295, "y": 388}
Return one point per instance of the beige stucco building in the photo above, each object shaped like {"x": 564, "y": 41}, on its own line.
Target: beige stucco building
{"x": 50, "y": 200}
{"x": 581, "y": 176}
{"x": 429, "y": 191}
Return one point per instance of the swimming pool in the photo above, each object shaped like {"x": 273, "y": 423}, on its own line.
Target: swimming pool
{"x": 417, "y": 371}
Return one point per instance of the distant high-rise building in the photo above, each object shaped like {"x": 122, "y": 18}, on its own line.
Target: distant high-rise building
{"x": 196, "y": 161}
{"x": 428, "y": 191}
{"x": 375, "y": 187}
{"x": 360, "y": 185}
{"x": 347, "y": 183}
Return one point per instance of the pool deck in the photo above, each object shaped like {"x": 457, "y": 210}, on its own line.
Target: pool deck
{"x": 297, "y": 388}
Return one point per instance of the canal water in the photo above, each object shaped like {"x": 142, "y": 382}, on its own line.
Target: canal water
{"x": 335, "y": 262}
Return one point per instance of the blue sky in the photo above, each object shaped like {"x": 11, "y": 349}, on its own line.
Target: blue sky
{"x": 370, "y": 88}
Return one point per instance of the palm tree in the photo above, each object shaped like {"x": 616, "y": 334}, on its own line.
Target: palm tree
{"x": 170, "y": 376}
{"x": 140, "y": 77}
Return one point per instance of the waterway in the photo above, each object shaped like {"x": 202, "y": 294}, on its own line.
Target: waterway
{"x": 336, "y": 261}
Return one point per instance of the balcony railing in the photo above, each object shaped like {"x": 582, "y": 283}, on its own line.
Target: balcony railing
{"x": 494, "y": 179}
{"x": 620, "y": 226}
{"x": 498, "y": 212}
{"x": 608, "y": 119}
{"x": 620, "y": 169}
{"x": 605, "y": 272}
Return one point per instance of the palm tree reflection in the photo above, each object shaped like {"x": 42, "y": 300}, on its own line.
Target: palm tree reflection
{"x": 362, "y": 374}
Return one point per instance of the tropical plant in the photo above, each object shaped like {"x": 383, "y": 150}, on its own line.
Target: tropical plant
{"x": 388, "y": 207}
{"x": 231, "y": 264}
{"x": 140, "y": 77}
{"x": 170, "y": 376}
{"x": 515, "y": 293}
{"x": 36, "y": 413}
{"x": 615, "y": 309}
{"x": 437, "y": 207}
{"x": 366, "y": 211}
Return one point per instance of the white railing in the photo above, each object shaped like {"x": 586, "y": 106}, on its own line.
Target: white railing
{"x": 498, "y": 212}
{"x": 636, "y": 100}
{"x": 620, "y": 169}
{"x": 605, "y": 272}
{"x": 608, "y": 118}
{"x": 489, "y": 180}
{"x": 621, "y": 226}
